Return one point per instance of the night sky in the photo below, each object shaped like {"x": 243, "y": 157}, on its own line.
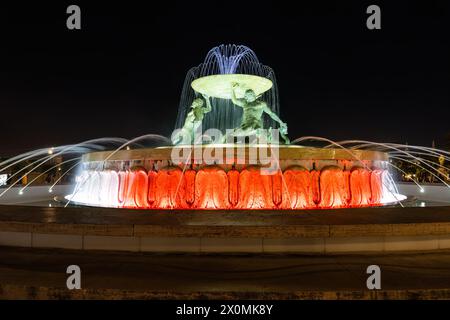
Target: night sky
{"x": 121, "y": 75}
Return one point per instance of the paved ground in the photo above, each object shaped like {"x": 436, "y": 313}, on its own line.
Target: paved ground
{"x": 217, "y": 276}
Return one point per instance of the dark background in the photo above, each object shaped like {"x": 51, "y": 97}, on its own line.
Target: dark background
{"x": 122, "y": 73}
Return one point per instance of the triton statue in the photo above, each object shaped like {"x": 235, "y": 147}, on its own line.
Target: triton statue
{"x": 193, "y": 121}
{"x": 253, "y": 110}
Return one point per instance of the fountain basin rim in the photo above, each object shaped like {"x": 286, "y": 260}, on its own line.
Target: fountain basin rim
{"x": 284, "y": 153}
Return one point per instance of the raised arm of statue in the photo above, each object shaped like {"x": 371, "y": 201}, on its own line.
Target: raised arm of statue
{"x": 208, "y": 104}
{"x": 236, "y": 101}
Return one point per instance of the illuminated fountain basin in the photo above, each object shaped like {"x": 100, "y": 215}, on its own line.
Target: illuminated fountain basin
{"x": 307, "y": 178}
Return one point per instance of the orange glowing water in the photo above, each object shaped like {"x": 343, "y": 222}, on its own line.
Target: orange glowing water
{"x": 214, "y": 188}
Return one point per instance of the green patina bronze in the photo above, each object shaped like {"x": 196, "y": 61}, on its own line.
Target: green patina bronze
{"x": 193, "y": 120}
{"x": 244, "y": 91}
{"x": 253, "y": 110}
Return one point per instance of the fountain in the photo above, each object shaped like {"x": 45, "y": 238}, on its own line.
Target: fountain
{"x": 226, "y": 153}
{"x": 231, "y": 159}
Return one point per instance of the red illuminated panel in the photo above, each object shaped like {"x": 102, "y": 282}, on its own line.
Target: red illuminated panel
{"x": 298, "y": 189}
{"x": 277, "y": 188}
{"x": 141, "y": 188}
{"x": 169, "y": 190}
{"x": 211, "y": 189}
{"x": 233, "y": 187}
{"x": 151, "y": 178}
{"x": 315, "y": 188}
{"x": 189, "y": 176}
{"x": 255, "y": 190}
{"x": 346, "y": 186}
{"x": 360, "y": 187}
{"x": 334, "y": 191}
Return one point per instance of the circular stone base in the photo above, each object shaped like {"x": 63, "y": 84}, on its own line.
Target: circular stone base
{"x": 319, "y": 232}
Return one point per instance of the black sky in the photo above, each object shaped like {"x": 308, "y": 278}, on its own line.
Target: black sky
{"x": 122, "y": 74}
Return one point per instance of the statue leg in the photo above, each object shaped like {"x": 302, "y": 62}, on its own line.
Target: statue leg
{"x": 238, "y": 132}
{"x": 184, "y": 136}
{"x": 285, "y": 138}
{"x": 269, "y": 135}
{"x": 177, "y": 139}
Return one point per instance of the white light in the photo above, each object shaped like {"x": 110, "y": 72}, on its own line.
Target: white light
{"x": 3, "y": 179}
{"x": 50, "y": 190}
{"x": 422, "y": 204}
{"x": 422, "y": 190}
{"x": 50, "y": 151}
{"x": 50, "y": 205}
{"x": 21, "y": 192}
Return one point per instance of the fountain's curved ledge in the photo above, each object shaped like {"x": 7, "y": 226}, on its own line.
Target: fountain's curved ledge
{"x": 331, "y": 231}
{"x": 235, "y": 177}
{"x": 285, "y": 152}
